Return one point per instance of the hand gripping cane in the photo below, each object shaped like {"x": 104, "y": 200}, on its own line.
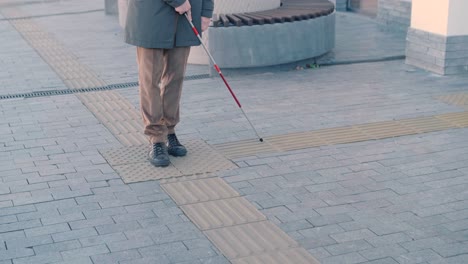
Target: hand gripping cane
{"x": 194, "y": 29}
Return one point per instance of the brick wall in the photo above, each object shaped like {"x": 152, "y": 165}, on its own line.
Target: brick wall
{"x": 394, "y": 15}
{"x": 437, "y": 53}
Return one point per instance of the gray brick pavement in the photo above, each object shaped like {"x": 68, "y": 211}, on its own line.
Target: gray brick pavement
{"x": 67, "y": 205}
{"x": 383, "y": 212}
{"x": 22, "y": 69}
{"x": 400, "y": 200}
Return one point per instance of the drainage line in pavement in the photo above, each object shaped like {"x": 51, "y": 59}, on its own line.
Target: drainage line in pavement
{"x": 383, "y": 59}
{"x": 84, "y": 90}
{"x": 50, "y": 15}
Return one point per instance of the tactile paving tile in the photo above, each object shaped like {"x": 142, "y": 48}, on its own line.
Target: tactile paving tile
{"x": 203, "y": 190}
{"x": 117, "y": 114}
{"x": 132, "y": 139}
{"x": 386, "y": 129}
{"x": 459, "y": 119}
{"x": 222, "y": 213}
{"x": 74, "y": 74}
{"x": 250, "y": 239}
{"x": 296, "y": 141}
{"x": 458, "y": 99}
{"x": 288, "y": 256}
{"x": 426, "y": 124}
{"x": 340, "y": 135}
{"x": 184, "y": 178}
{"x": 128, "y": 155}
{"x": 245, "y": 148}
{"x": 138, "y": 172}
{"x": 201, "y": 158}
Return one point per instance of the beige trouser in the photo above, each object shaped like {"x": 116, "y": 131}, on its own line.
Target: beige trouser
{"x": 161, "y": 76}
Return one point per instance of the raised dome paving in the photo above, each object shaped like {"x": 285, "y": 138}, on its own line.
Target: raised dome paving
{"x": 289, "y": 11}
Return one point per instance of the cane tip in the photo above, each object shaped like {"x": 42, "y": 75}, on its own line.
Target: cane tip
{"x": 261, "y": 139}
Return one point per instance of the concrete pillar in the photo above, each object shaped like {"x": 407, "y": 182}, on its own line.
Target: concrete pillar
{"x": 340, "y": 5}
{"x": 123, "y": 10}
{"x": 438, "y": 37}
{"x": 111, "y": 7}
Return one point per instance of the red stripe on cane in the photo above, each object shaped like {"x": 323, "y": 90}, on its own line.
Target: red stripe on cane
{"x": 195, "y": 30}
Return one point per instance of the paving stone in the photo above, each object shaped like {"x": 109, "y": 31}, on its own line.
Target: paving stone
{"x": 382, "y": 252}
{"x": 190, "y": 255}
{"x": 388, "y": 239}
{"x": 142, "y": 241}
{"x": 104, "y": 212}
{"x": 148, "y": 260}
{"x": 46, "y": 230}
{"x": 8, "y": 219}
{"x": 26, "y": 242}
{"x": 116, "y": 257}
{"x": 382, "y": 261}
{"x": 452, "y": 249}
{"x": 20, "y": 225}
{"x": 348, "y": 247}
{"x": 423, "y": 244}
{"x": 452, "y": 260}
{"x": 316, "y": 242}
{"x": 349, "y": 258}
{"x": 419, "y": 256}
{"x": 62, "y": 218}
{"x": 84, "y": 252}
{"x": 353, "y": 235}
{"x": 91, "y": 222}
{"x": 295, "y": 225}
{"x": 74, "y": 234}
{"x": 79, "y": 260}
{"x": 322, "y": 231}
{"x": 333, "y": 210}
{"x": 16, "y": 253}
{"x": 102, "y": 239}
{"x": 56, "y": 247}
{"x": 319, "y": 253}
{"x": 108, "y": 228}
{"x": 329, "y": 219}
{"x": 40, "y": 259}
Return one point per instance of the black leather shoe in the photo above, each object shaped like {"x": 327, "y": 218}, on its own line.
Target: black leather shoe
{"x": 174, "y": 147}
{"x": 158, "y": 155}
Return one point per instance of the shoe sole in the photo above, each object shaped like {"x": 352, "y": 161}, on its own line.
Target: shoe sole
{"x": 175, "y": 154}
{"x": 160, "y": 164}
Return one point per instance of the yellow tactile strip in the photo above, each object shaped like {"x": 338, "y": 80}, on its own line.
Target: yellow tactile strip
{"x": 340, "y": 135}
{"x": 132, "y": 163}
{"x": 245, "y": 148}
{"x": 234, "y": 225}
{"x": 198, "y": 191}
{"x": 139, "y": 172}
{"x": 225, "y": 212}
{"x": 458, "y": 99}
{"x": 456, "y": 119}
{"x": 250, "y": 239}
{"x": 294, "y": 255}
{"x": 117, "y": 114}
{"x": 74, "y": 74}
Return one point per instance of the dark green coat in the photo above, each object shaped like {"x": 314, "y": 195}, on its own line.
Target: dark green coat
{"x": 156, "y": 24}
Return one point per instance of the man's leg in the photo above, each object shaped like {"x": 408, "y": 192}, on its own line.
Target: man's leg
{"x": 172, "y": 82}
{"x": 150, "y": 70}
{"x": 151, "y": 67}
